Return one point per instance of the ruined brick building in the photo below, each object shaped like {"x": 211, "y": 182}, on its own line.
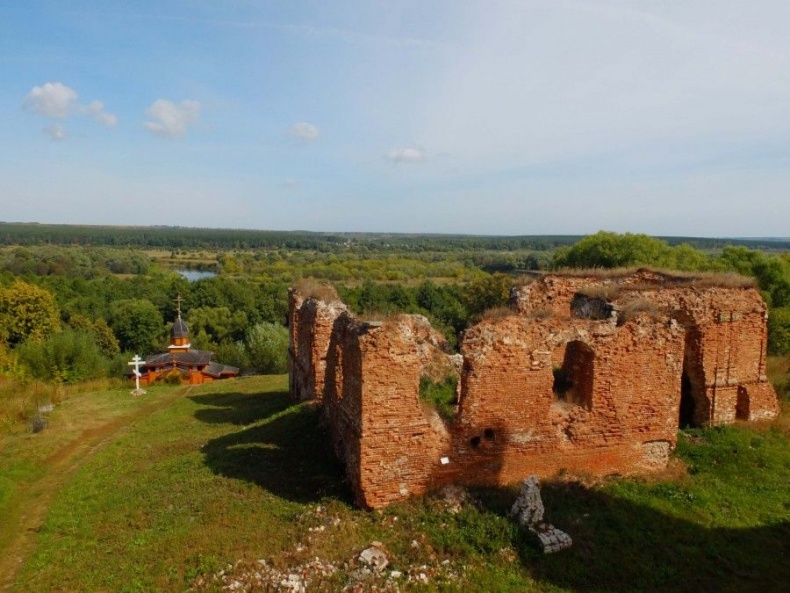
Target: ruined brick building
{"x": 588, "y": 373}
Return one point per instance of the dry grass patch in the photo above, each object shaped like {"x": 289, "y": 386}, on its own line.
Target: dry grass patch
{"x": 497, "y": 313}
{"x": 635, "y": 307}
{"x": 607, "y": 292}
{"x": 673, "y": 278}
{"x": 540, "y": 314}
{"x": 315, "y": 289}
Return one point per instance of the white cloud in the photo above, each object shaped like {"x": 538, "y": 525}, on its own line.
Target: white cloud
{"x": 405, "y": 155}
{"x": 305, "y": 131}
{"x": 56, "y": 100}
{"x": 171, "y": 120}
{"x": 52, "y": 99}
{"x": 290, "y": 182}
{"x": 56, "y": 132}
{"x": 96, "y": 110}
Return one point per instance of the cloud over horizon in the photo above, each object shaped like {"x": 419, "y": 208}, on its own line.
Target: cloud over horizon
{"x": 96, "y": 110}
{"x": 305, "y": 131}
{"x": 171, "y": 120}
{"x": 52, "y": 99}
{"x": 56, "y": 100}
{"x": 405, "y": 155}
{"x": 56, "y": 132}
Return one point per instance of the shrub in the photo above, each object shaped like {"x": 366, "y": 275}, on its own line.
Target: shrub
{"x": 267, "y": 347}
{"x": 67, "y": 357}
{"x": 487, "y": 292}
{"x": 233, "y": 353}
{"x": 779, "y": 331}
{"x": 440, "y": 394}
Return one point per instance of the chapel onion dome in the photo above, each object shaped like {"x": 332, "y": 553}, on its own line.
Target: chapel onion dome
{"x": 180, "y": 329}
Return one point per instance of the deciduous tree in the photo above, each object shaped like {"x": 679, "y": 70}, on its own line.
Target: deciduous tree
{"x": 27, "y": 312}
{"x": 138, "y": 325}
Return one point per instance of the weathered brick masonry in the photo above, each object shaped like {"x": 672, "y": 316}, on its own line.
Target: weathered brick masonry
{"x": 590, "y": 374}
{"x": 311, "y": 321}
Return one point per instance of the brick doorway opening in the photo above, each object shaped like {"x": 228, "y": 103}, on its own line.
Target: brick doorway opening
{"x": 687, "y": 403}
{"x": 694, "y": 403}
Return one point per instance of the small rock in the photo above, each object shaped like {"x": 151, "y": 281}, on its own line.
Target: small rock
{"x": 374, "y": 557}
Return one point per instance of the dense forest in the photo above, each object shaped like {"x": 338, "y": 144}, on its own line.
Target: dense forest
{"x": 77, "y": 302}
{"x": 172, "y": 237}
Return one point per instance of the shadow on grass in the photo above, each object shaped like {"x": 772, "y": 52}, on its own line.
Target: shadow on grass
{"x": 283, "y": 449}
{"x": 621, "y": 546}
{"x": 241, "y": 409}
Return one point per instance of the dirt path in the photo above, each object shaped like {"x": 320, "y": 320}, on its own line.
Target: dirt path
{"x": 37, "y": 496}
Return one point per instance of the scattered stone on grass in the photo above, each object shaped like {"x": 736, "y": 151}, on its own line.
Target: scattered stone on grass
{"x": 374, "y": 557}
{"x": 246, "y": 577}
{"x": 364, "y": 572}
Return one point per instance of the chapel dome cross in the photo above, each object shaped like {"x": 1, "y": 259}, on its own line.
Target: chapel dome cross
{"x": 180, "y": 330}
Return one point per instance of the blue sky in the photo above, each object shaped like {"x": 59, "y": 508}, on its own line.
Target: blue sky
{"x": 459, "y": 116}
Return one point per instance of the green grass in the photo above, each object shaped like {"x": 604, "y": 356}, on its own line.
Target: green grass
{"x": 26, "y": 458}
{"x": 234, "y": 471}
{"x": 440, "y": 395}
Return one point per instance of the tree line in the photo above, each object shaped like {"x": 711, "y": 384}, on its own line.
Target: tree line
{"x": 174, "y": 237}
{"x": 72, "y": 313}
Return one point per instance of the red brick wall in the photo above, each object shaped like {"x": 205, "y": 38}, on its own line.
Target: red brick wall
{"x": 620, "y": 414}
{"x": 311, "y": 322}
{"x": 342, "y": 397}
{"x": 632, "y": 372}
{"x": 378, "y": 426}
{"x": 727, "y": 341}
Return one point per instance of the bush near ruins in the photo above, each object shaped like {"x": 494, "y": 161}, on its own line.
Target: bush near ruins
{"x": 440, "y": 394}
{"x": 779, "y": 331}
{"x": 267, "y": 348}
{"x": 612, "y": 250}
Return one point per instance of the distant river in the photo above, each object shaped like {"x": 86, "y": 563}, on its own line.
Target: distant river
{"x": 193, "y": 275}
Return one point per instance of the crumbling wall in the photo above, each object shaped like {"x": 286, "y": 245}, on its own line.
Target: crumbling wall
{"x": 378, "y": 425}
{"x": 512, "y": 422}
{"x": 727, "y": 333}
{"x": 343, "y": 397}
{"x": 311, "y": 322}
{"x": 590, "y": 381}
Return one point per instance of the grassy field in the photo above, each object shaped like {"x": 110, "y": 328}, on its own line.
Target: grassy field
{"x": 195, "y": 488}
